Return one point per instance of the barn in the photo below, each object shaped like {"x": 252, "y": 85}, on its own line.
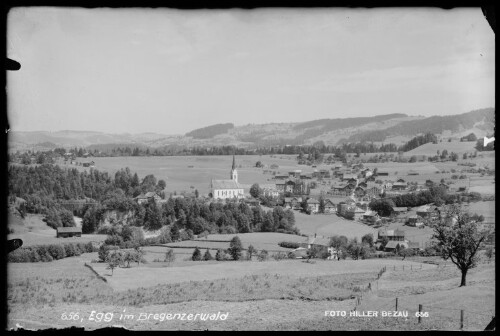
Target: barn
{"x": 64, "y": 232}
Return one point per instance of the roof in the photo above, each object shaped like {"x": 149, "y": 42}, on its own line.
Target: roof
{"x": 150, "y": 194}
{"x": 329, "y": 201}
{"x": 426, "y": 208}
{"x": 401, "y": 184}
{"x": 370, "y": 213}
{"x": 393, "y": 244}
{"x": 69, "y": 230}
{"x": 312, "y": 201}
{"x": 350, "y": 176}
{"x": 318, "y": 241}
{"x": 398, "y": 209}
{"x": 225, "y": 184}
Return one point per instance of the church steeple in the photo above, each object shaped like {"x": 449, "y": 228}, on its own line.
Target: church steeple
{"x": 234, "y": 173}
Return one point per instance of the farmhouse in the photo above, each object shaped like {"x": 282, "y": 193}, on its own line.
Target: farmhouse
{"x": 329, "y": 206}
{"x": 349, "y": 177}
{"x": 223, "y": 189}
{"x": 427, "y": 211}
{"x": 396, "y": 235}
{"x": 269, "y": 190}
{"x": 414, "y": 221}
{"x": 399, "y": 186}
{"x": 370, "y": 217}
{"x": 63, "y": 232}
{"x": 144, "y": 198}
{"x": 395, "y": 245}
{"x": 292, "y": 202}
{"x": 399, "y": 210}
{"x": 313, "y": 205}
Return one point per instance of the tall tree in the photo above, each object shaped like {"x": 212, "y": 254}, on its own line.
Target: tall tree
{"x": 235, "y": 248}
{"x": 459, "y": 239}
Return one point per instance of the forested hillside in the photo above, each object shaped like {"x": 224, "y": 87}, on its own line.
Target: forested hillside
{"x": 210, "y": 131}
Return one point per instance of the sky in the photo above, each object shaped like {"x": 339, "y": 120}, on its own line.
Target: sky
{"x": 171, "y": 71}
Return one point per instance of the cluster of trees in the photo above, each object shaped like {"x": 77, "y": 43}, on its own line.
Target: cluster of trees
{"x": 356, "y": 250}
{"x": 418, "y": 141}
{"x": 482, "y": 148}
{"x": 46, "y": 253}
{"x": 210, "y": 131}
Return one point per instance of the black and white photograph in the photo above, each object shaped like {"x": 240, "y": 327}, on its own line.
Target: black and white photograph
{"x": 269, "y": 169}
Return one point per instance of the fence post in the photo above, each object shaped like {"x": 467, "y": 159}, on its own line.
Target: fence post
{"x": 461, "y": 319}
{"x": 420, "y": 313}
{"x": 396, "y": 305}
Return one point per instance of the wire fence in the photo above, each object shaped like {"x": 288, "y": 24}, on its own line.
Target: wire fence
{"x": 447, "y": 318}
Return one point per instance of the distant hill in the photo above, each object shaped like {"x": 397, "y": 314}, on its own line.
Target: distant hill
{"x": 210, "y": 131}
{"x": 378, "y": 129}
{"x": 430, "y": 149}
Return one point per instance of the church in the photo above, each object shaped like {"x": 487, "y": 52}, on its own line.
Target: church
{"x": 224, "y": 189}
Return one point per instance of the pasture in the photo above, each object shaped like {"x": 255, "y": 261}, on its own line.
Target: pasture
{"x": 430, "y": 149}
{"x": 330, "y": 225}
{"x": 143, "y": 276}
{"x": 179, "y": 177}
{"x": 34, "y": 231}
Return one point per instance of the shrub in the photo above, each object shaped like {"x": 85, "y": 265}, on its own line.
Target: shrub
{"x": 19, "y": 255}
{"x": 235, "y": 248}
{"x": 263, "y": 255}
{"x": 57, "y": 251}
{"x": 104, "y": 250}
{"x": 219, "y": 256}
{"x": 89, "y": 247}
{"x": 286, "y": 244}
{"x": 114, "y": 239}
{"x": 279, "y": 256}
{"x": 170, "y": 256}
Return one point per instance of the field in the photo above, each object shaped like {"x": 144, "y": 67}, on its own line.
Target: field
{"x": 272, "y": 295}
{"x": 330, "y": 225}
{"x": 430, "y": 149}
{"x": 179, "y": 177}
{"x": 33, "y": 231}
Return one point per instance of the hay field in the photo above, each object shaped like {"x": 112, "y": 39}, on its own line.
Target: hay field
{"x": 179, "y": 177}
{"x": 34, "y": 231}
{"x": 431, "y": 149}
{"x": 330, "y": 225}
{"x": 143, "y": 276}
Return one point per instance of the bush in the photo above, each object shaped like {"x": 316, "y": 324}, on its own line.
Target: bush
{"x": 104, "y": 250}
{"x": 263, "y": 255}
{"x": 220, "y": 255}
{"x": 57, "y": 251}
{"x": 170, "y": 256}
{"x": 19, "y": 255}
{"x": 114, "y": 239}
{"x": 89, "y": 247}
{"x": 286, "y": 244}
{"x": 279, "y": 256}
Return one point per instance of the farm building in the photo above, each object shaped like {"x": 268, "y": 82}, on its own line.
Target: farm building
{"x": 269, "y": 190}
{"x": 313, "y": 205}
{"x": 399, "y": 186}
{"x": 88, "y": 164}
{"x": 223, "y": 189}
{"x": 383, "y": 173}
{"x": 144, "y": 198}
{"x": 399, "y": 210}
{"x": 396, "y": 235}
{"x": 415, "y": 221}
{"x": 280, "y": 177}
{"x": 300, "y": 252}
{"x": 350, "y": 177}
{"x": 329, "y": 206}
{"x": 315, "y": 242}
{"x": 392, "y": 245}
{"x": 64, "y": 232}
{"x": 427, "y": 211}
{"x": 370, "y": 216}
{"x": 292, "y": 202}
{"x": 412, "y": 172}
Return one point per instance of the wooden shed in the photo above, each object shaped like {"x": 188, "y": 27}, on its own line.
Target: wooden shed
{"x": 64, "y": 232}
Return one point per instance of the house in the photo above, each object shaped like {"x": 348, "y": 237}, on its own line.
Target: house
{"x": 415, "y": 221}
{"x": 280, "y": 177}
{"x": 224, "y": 189}
{"x": 329, "y": 206}
{"x": 347, "y": 177}
{"x": 383, "y": 173}
{"x": 414, "y": 246}
{"x": 399, "y": 210}
{"x": 359, "y": 192}
{"x": 427, "y": 211}
{"x": 358, "y": 213}
{"x": 292, "y": 202}
{"x": 295, "y": 173}
{"x": 300, "y": 253}
{"x": 399, "y": 186}
{"x": 429, "y": 183}
{"x": 317, "y": 242}
{"x": 64, "y": 232}
{"x": 313, "y": 205}
{"x": 393, "y": 246}
{"x": 269, "y": 190}
{"x": 396, "y": 235}
{"x": 144, "y": 198}
{"x": 370, "y": 217}
{"x": 363, "y": 184}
